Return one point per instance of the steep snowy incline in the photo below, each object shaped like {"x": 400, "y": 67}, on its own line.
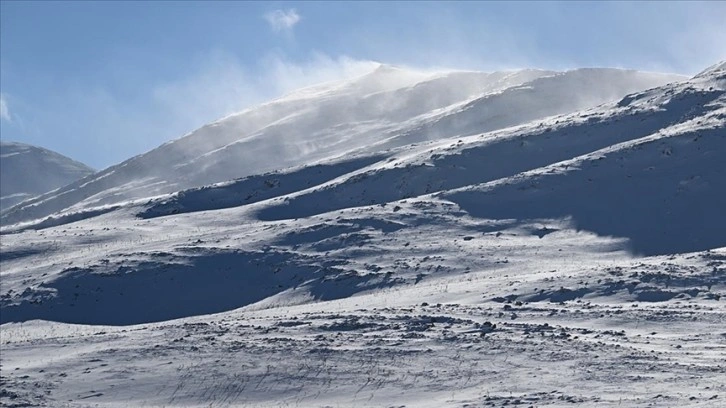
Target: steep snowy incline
{"x": 665, "y": 191}
{"x": 419, "y": 170}
{"x": 666, "y": 142}
{"x": 386, "y": 108}
{"x": 561, "y": 93}
{"x": 27, "y": 171}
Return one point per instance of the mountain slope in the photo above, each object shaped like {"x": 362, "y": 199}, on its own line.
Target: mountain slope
{"x": 387, "y": 108}
{"x": 667, "y": 143}
{"x": 664, "y": 142}
{"x": 27, "y": 171}
{"x": 661, "y": 146}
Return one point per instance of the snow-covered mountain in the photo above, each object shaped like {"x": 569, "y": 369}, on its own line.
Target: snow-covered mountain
{"x": 644, "y": 169}
{"x": 476, "y": 270}
{"x": 386, "y": 108}
{"x": 27, "y": 171}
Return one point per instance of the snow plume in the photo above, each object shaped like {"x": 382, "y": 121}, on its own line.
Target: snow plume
{"x": 285, "y": 76}
{"x": 4, "y": 110}
{"x": 282, "y": 20}
{"x": 217, "y": 85}
{"x": 223, "y": 85}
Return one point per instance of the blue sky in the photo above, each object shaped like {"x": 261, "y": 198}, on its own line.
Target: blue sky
{"x": 101, "y": 82}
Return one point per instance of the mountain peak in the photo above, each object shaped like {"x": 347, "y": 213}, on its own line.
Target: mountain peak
{"x": 718, "y": 69}
{"x": 27, "y": 171}
{"x": 387, "y": 77}
{"x": 384, "y": 69}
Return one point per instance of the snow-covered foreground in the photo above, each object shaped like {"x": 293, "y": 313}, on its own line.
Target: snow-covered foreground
{"x": 456, "y": 312}
{"x": 579, "y": 260}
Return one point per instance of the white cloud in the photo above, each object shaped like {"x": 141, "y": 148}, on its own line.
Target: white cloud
{"x": 282, "y": 20}
{"x": 4, "y": 110}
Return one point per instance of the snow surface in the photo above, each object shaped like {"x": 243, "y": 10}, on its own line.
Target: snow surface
{"x": 27, "y": 171}
{"x": 576, "y": 260}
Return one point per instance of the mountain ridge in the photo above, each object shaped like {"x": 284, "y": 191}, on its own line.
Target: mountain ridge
{"x": 300, "y": 132}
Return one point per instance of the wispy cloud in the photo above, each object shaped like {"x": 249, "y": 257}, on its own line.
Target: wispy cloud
{"x": 282, "y": 20}
{"x": 223, "y": 84}
{"x": 4, "y": 110}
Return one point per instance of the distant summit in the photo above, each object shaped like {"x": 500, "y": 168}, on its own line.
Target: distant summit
{"x": 27, "y": 171}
